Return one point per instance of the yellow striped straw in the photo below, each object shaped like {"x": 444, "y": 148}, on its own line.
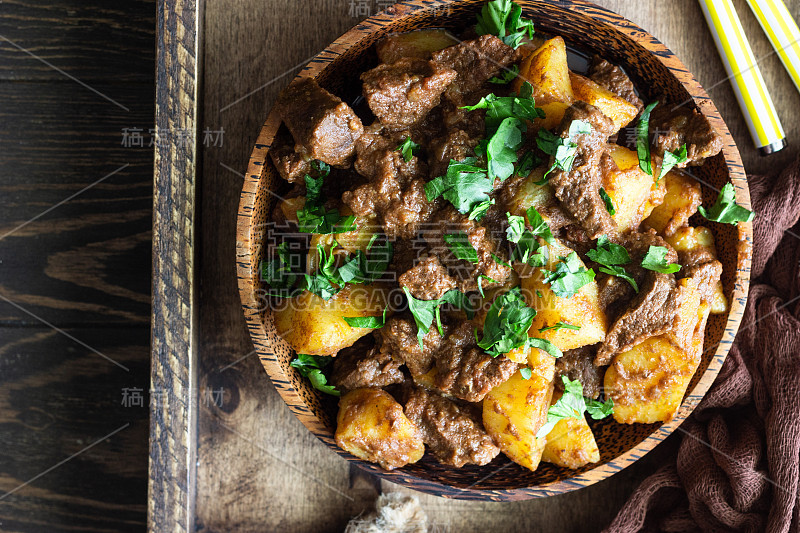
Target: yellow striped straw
{"x": 783, "y": 33}
{"x": 748, "y": 85}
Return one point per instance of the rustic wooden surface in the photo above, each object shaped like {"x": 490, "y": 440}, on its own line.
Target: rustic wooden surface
{"x": 83, "y": 267}
{"x": 258, "y": 468}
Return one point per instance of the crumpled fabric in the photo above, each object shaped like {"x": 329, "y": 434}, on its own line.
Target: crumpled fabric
{"x": 737, "y": 464}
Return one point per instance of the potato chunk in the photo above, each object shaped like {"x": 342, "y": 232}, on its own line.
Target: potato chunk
{"x": 683, "y": 197}
{"x": 547, "y": 71}
{"x": 633, "y": 193}
{"x": 582, "y": 309}
{"x": 614, "y": 107}
{"x": 570, "y": 444}
{"x": 314, "y": 326}
{"x": 372, "y": 426}
{"x": 515, "y": 410}
{"x": 647, "y": 382}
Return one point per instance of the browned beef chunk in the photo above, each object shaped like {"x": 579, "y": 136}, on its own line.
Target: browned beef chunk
{"x": 652, "y": 312}
{"x": 448, "y": 221}
{"x": 615, "y": 80}
{"x": 323, "y": 126}
{"x": 399, "y": 339}
{"x": 457, "y": 145}
{"x": 428, "y": 280}
{"x": 579, "y": 364}
{"x": 464, "y": 370}
{"x": 702, "y": 266}
{"x": 362, "y": 365}
{"x": 291, "y": 165}
{"x": 454, "y": 433}
{"x": 578, "y": 189}
{"x": 673, "y": 127}
{"x": 396, "y": 190}
{"x": 614, "y": 294}
{"x": 552, "y": 211}
{"x": 475, "y": 62}
{"x": 402, "y": 93}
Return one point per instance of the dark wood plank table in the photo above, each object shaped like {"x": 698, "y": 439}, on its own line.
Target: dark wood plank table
{"x": 75, "y": 241}
{"x": 258, "y": 468}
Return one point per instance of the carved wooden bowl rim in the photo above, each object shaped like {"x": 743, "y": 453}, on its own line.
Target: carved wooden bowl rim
{"x": 248, "y": 255}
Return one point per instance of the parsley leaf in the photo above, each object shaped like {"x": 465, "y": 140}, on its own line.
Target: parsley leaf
{"x": 481, "y": 277}
{"x": 501, "y": 150}
{"x": 643, "y": 139}
{"x": 572, "y": 404}
{"x": 516, "y": 227}
{"x": 503, "y": 18}
{"x": 539, "y": 227}
{"x": 407, "y": 148}
{"x": 425, "y": 311}
{"x": 479, "y": 211}
{"x": 314, "y": 217}
{"x": 620, "y": 272}
{"x": 563, "y": 150}
{"x": 527, "y": 249}
{"x": 569, "y": 276}
{"x": 525, "y": 372}
{"x": 310, "y": 366}
{"x": 464, "y": 185}
{"x": 559, "y": 325}
{"x": 607, "y": 253}
{"x": 500, "y": 261}
{"x": 507, "y": 76}
{"x": 656, "y": 259}
{"x": 506, "y": 324}
{"x": 725, "y": 209}
{"x": 670, "y": 160}
{"x": 461, "y": 247}
{"x": 372, "y": 322}
{"x": 545, "y": 345}
{"x": 526, "y": 165}
{"x": 499, "y": 108}
{"x": 277, "y": 272}
{"x": 609, "y": 203}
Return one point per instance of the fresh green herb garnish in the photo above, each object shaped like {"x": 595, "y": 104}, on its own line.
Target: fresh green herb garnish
{"x": 572, "y": 404}
{"x": 526, "y": 165}
{"x": 507, "y": 76}
{"x": 545, "y": 345}
{"x": 507, "y": 323}
{"x": 460, "y": 246}
{"x": 670, "y": 160}
{"x": 481, "y": 277}
{"x": 372, "y": 322}
{"x": 643, "y": 139}
{"x": 501, "y": 150}
{"x": 408, "y": 149}
{"x": 607, "y": 200}
{"x": 569, "y": 276}
{"x": 525, "y": 372}
{"x": 314, "y": 217}
{"x": 464, "y": 185}
{"x": 498, "y": 108}
{"x": 539, "y": 227}
{"x": 480, "y": 210}
{"x": 500, "y": 261}
{"x": 310, "y": 366}
{"x": 611, "y": 256}
{"x": 425, "y": 311}
{"x": 559, "y": 325}
{"x": 277, "y": 272}
{"x": 725, "y": 209}
{"x": 563, "y": 150}
{"x": 527, "y": 249}
{"x": 361, "y": 268}
{"x": 503, "y": 18}
{"x": 656, "y": 260}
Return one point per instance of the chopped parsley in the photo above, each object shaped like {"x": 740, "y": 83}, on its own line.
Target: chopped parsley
{"x": 545, "y": 345}
{"x": 464, "y": 185}
{"x": 525, "y": 372}
{"x": 277, "y": 272}
{"x": 481, "y": 277}
{"x": 501, "y": 148}
{"x": 526, "y": 165}
{"x": 572, "y": 404}
{"x": 607, "y": 200}
{"x": 311, "y": 366}
{"x": 479, "y": 211}
{"x": 538, "y": 225}
{"x": 503, "y": 18}
{"x": 670, "y": 160}
{"x": 460, "y": 246}
{"x": 408, "y": 148}
{"x": 507, "y": 323}
{"x": 643, "y": 139}
{"x": 425, "y": 311}
{"x": 569, "y": 276}
{"x": 559, "y": 325}
{"x": 372, "y": 322}
{"x": 507, "y": 76}
{"x": 725, "y": 209}
{"x": 314, "y": 217}
{"x": 611, "y": 256}
{"x": 360, "y": 268}
{"x": 563, "y": 150}
{"x": 528, "y": 249}
{"x": 656, "y": 260}
{"x": 499, "y": 108}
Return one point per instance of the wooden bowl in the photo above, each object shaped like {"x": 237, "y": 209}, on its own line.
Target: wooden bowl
{"x": 584, "y": 26}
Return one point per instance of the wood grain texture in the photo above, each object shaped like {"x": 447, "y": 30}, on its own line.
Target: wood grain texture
{"x": 173, "y": 420}
{"x": 82, "y": 266}
{"x": 244, "y": 53}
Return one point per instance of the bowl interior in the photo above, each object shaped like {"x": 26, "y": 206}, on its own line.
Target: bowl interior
{"x": 656, "y": 73}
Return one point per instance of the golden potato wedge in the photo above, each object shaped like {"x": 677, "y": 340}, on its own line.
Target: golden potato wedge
{"x": 515, "y": 410}
{"x": 372, "y": 426}
{"x": 570, "y": 444}
{"x": 683, "y": 197}
{"x": 614, "y": 107}
{"x": 530, "y": 194}
{"x": 648, "y": 382}
{"x": 314, "y": 326}
{"x": 633, "y": 192}
{"x": 418, "y": 43}
{"x": 690, "y": 238}
{"x": 290, "y": 206}
{"x": 547, "y": 70}
{"x": 582, "y": 309}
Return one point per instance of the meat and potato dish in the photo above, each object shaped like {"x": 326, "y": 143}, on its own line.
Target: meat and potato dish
{"x": 485, "y": 251}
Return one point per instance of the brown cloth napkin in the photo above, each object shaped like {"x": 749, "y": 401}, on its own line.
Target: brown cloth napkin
{"x": 737, "y": 463}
